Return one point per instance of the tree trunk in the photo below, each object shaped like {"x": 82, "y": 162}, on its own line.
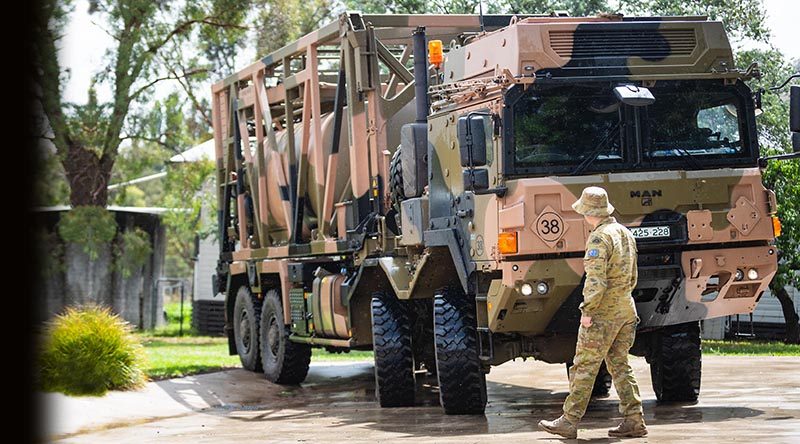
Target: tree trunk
{"x": 789, "y": 314}
{"x": 88, "y": 176}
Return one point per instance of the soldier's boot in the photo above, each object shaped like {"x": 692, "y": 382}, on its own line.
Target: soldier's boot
{"x": 630, "y": 427}
{"x": 561, "y": 426}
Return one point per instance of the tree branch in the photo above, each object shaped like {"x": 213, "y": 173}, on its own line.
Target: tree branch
{"x": 180, "y": 29}
{"x": 188, "y": 90}
{"x": 149, "y": 84}
{"x": 148, "y": 139}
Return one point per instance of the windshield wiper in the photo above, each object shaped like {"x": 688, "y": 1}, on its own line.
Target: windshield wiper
{"x": 690, "y": 160}
{"x": 685, "y": 155}
{"x": 609, "y": 135}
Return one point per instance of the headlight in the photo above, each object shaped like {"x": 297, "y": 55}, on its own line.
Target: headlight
{"x": 542, "y": 288}
{"x": 752, "y": 274}
{"x": 526, "y": 289}
{"x": 739, "y": 275}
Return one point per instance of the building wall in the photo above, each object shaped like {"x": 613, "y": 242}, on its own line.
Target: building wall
{"x": 79, "y": 280}
{"x": 204, "y": 268}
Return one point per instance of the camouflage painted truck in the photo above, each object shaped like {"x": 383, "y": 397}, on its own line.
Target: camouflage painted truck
{"x": 379, "y": 189}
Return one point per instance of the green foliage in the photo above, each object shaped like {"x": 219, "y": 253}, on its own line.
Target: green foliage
{"x": 88, "y": 226}
{"x": 280, "y": 21}
{"x": 742, "y": 18}
{"x": 88, "y": 351}
{"x": 176, "y": 357}
{"x": 133, "y": 252}
{"x": 130, "y": 196}
{"x": 575, "y": 7}
{"x": 149, "y": 41}
{"x": 50, "y": 183}
{"x": 89, "y": 123}
{"x": 749, "y": 348}
{"x": 185, "y": 199}
{"x": 172, "y": 313}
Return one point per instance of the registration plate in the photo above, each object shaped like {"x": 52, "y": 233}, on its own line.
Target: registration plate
{"x": 650, "y": 232}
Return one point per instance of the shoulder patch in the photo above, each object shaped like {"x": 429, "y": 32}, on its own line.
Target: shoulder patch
{"x": 594, "y": 252}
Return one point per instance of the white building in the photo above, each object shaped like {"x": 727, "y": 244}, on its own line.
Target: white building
{"x": 208, "y": 315}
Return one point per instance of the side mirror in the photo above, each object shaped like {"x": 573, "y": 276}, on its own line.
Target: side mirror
{"x": 634, "y": 95}
{"x": 794, "y": 116}
{"x": 472, "y": 140}
{"x": 758, "y": 102}
{"x": 794, "y": 108}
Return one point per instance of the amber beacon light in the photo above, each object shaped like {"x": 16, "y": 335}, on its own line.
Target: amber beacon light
{"x": 435, "y": 54}
{"x": 507, "y": 242}
{"x": 776, "y": 226}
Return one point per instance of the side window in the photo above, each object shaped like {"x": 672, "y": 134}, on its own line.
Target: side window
{"x": 720, "y": 124}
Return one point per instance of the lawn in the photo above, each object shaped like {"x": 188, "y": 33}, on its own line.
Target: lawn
{"x": 171, "y": 355}
{"x": 751, "y": 348}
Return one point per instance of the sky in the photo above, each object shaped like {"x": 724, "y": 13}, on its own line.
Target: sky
{"x": 85, "y": 43}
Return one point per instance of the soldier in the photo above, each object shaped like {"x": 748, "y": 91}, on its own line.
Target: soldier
{"x": 608, "y": 320}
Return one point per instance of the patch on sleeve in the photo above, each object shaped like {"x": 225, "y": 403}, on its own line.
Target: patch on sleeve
{"x": 594, "y": 252}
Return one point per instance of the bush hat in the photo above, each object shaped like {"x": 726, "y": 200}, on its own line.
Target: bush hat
{"x": 593, "y": 202}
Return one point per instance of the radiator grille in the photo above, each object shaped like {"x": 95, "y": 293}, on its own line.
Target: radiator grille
{"x": 645, "y": 43}
{"x": 298, "y": 304}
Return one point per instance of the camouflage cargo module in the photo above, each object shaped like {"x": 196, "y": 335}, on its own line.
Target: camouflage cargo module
{"x": 403, "y": 183}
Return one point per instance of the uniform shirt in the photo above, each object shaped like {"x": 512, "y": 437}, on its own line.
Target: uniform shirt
{"x": 611, "y": 273}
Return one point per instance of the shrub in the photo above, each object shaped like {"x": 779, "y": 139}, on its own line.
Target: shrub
{"x": 89, "y": 350}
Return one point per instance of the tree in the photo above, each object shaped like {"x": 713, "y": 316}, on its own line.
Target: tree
{"x": 173, "y": 125}
{"x": 742, "y": 18}
{"x": 278, "y": 22}
{"x": 87, "y": 137}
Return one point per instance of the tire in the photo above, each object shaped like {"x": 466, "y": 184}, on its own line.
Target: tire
{"x": 394, "y": 359}
{"x": 602, "y": 383}
{"x": 396, "y": 180}
{"x": 675, "y": 363}
{"x": 246, "y": 314}
{"x": 462, "y": 382}
{"x": 284, "y": 361}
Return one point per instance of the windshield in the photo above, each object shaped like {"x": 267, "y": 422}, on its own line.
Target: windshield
{"x": 571, "y": 128}
{"x": 563, "y": 126}
{"x": 700, "y": 122}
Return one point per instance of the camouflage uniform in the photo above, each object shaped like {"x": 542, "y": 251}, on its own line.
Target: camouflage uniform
{"x": 611, "y": 274}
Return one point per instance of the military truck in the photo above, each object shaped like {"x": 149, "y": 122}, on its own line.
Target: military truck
{"x": 403, "y": 183}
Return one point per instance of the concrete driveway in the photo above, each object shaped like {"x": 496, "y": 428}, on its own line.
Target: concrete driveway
{"x": 747, "y": 399}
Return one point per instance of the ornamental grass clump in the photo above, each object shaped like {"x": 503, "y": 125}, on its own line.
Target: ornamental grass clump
{"x": 89, "y": 350}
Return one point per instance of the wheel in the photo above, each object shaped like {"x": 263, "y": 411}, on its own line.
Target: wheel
{"x": 246, "y": 313}
{"x": 394, "y": 359}
{"x": 462, "y": 382}
{"x": 602, "y": 383}
{"x": 284, "y": 361}
{"x": 675, "y": 363}
{"x": 396, "y": 180}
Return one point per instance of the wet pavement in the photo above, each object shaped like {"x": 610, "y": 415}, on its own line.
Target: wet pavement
{"x": 743, "y": 399}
